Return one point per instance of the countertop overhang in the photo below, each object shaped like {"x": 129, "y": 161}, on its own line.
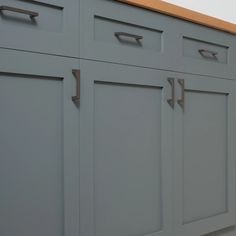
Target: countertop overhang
{"x": 183, "y": 13}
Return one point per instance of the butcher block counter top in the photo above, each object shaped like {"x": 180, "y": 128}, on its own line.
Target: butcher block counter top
{"x": 183, "y": 13}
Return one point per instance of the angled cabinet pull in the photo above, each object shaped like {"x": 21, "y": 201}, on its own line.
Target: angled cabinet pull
{"x": 31, "y": 14}
{"x": 76, "y": 74}
{"x": 181, "y": 100}
{"x": 171, "y": 101}
{"x": 208, "y": 54}
{"x": 119, "y": 35}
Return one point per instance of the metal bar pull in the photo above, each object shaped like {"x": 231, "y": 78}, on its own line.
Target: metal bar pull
{"x": 181, "y": 100}
{"x": 124, "y": 34}
{"x": 171, "y": 101}
{"x": 208, "y": 54}
{"x": 31, "y": 14}
{"x": 76, "y": 74}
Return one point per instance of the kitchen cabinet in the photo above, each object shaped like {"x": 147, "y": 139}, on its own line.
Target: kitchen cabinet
{"x": 157, "y": 148}
{"x": 116, "y": 120}
{"x": 125, "y": 154}
{"x": 39, "y": 146}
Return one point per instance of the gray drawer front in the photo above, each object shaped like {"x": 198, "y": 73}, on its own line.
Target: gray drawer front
{"x": 127, "y": 35}
{"x": 101, "y": 19}
{"x": 205, "y": 50}
{"x": 46, "y": 32}
{"x": 168, "y": 43}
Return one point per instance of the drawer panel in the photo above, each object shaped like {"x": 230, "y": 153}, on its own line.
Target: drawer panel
{"x": 205, "y": 50}
{"x": 119, "y": 33}
{"x": 166, "y": 42}
{"x": 40, "y": 26}
{"x": 47, "y": 17}
{"x": 127, "y": 35}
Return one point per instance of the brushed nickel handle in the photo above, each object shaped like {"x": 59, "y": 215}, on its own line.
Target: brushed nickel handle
{"x": 124, "y": 34}
{"x": 171, "y": 101}
{"x": 31, "y": 14}
{"x": 182, "y": 99}
{"x": 208, "y": 54}
{"x": 76, "y": 74}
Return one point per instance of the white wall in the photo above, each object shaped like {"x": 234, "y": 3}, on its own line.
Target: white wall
{"x": 223, "y": 9}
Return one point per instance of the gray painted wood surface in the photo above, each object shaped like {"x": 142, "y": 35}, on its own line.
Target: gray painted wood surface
{"x": 54, "y": 31}
{"x": 204, "y": 156}
{"x": 173, "y": 53}
{"x": 125, "y": 154}
{"x": 38, "y": 146}
{"x": 142, "y": 167}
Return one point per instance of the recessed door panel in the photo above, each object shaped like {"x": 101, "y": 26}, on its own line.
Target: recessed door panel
{"x": 205, "y": 155}
{"x": 127, "y": 160}
{"x": 31, "y": 166}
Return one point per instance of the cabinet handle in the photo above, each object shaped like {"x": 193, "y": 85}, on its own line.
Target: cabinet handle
{"x": 76, "y": 74}
{"x": 31, "y": 14}
{"x": 182, "y": 99}
{"x": 208, "y": 54}
{"x": 134, "y": 36}
{"x": 171, "y": 101}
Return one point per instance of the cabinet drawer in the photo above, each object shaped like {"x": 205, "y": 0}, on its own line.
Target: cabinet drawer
{"x": 127, "y": 35}
{"x": 119, "y": 33}
{"x": 205, "y": 50}
{"x": 40, "y": 26}
{"x": 153, "y": 40}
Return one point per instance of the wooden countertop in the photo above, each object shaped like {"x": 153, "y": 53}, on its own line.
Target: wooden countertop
{"x": 183, "y": 13}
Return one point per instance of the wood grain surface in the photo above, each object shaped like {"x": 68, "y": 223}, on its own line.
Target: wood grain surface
{"x": 183, "y": 13}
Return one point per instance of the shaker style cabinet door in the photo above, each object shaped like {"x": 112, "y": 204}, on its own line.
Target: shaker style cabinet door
{"x": 125, "y": 150}
{"x": 45, "y": 26}
{"x": 38, "y": 146}
{"x": 204, "y": 161}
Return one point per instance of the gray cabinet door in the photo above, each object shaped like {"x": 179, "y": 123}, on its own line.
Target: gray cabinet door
{"x": 125, "y": 151}
{"x": 204, "y": 156}
{"x": 54, "y": 30}
{"x": 38, "y": 146}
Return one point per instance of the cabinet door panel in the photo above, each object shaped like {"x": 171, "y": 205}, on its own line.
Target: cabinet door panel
{"x": 38, "y": 148}
{"x": 204, "y": 167}
{"x": 205, "y": 149}
{"x": 127, "y": 159}
{"x": 125, "y": 188}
